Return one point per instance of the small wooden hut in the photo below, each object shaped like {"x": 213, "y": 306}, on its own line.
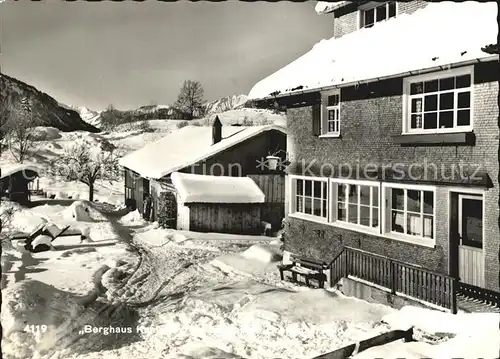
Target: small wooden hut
{"x": 218, "y": 203}
{"x": 14, "y": 180}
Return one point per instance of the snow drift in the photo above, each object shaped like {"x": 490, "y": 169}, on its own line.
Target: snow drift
{"x": 263, "y": 253}
{"x": 78, "y": 211}
{"x": 46, "y": 133}
{"x": 35, "y": 303}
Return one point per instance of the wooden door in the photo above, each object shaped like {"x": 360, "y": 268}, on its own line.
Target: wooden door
{"x": 470, "y": 231}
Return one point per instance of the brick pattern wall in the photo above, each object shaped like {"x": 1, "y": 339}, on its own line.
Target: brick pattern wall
{"x": 411, "y": 6}
{"x": 368, "y": 124}
{"x": 346, "y": 19}
{"x": 345, "y": 24}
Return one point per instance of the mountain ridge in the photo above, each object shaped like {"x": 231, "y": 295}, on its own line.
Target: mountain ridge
{"x": 51, "y": 113}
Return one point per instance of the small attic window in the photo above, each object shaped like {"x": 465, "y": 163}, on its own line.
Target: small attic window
{"x": 374, "y": 12}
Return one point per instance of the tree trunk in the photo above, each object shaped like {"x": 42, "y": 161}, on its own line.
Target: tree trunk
{"x": 91, "y": 192}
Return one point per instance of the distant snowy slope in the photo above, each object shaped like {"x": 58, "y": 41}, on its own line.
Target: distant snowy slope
{"x": 152, "y": 108}
{"x": 90, "y": 116}
{"x": 225, "y": 104}
{"x": 87, "y": 115}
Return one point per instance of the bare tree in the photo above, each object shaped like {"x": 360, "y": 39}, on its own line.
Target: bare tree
{"x": 190, "y": 99}
{"x": 6, "y": 227}
{"x": 81, "y": 163}
{"x": 18, "y": 128}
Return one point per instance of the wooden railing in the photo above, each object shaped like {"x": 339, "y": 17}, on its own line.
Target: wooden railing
{"x": 398, "y": 277}
{"x": 484, "y": 295}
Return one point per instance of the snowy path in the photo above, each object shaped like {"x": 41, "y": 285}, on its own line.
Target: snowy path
{"x": 194, "y": 306}
{"x": 174, "y": 294}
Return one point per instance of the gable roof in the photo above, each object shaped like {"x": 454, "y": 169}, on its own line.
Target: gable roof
{"x": 10, "y": 169}
{"x": 432, "y": 38}
{"x": 216, "y": 189}
{"x": 185, "y": 147}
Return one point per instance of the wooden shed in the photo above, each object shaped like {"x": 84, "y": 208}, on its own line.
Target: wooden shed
{"x": 232, "y": 151}
{"x": 218, "y": 203}
{"x": 14, "y": 180}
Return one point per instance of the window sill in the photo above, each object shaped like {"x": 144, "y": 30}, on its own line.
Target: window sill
{"x": 445, "y": 138}
{"x": 308, "y": 217}
{"x": 356, "y": 228}
{"x": 418, "y": 241}
{"x": 330, "y": 135}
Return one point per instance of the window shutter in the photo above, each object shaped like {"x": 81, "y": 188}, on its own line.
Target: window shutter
{"x": 316, "y": 119}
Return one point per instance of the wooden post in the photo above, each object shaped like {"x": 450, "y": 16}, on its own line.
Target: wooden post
{"x": 346, "y": 270}
{"x": 393, "y": 271}
{"x": 453, "y": 289}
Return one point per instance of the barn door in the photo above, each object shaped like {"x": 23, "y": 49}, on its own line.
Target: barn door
{"x": 145, "y": 187}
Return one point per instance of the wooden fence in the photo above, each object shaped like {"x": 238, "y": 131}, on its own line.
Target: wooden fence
{"x": 273, "y": 186}
{"x": 398, "y": 277}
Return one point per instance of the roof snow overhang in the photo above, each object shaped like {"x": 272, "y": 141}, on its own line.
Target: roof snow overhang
{"x": 375, "y": 79}
{"x": 395, "y": 48}
{"x": 194, "y": 188}
{"x": 325, "y": 7}
{"x": 29, "y": 172}
{"x": 136, "y": 161}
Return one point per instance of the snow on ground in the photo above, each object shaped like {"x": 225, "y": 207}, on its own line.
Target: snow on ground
{"x": 133, "y": 218}
{"x": 465, "y": 335}
{"x": 201, "y": 295}
{"x": 74, "y": 262}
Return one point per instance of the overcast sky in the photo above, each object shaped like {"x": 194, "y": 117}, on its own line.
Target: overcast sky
{"x": 131, "y": 54}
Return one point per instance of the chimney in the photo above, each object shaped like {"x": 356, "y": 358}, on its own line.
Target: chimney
{"x": 216, "y": 131}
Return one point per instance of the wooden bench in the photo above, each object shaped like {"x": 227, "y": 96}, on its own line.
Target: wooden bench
{"x": 307, "y": 268}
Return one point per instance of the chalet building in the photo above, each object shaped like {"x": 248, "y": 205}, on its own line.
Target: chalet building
{"x": 229, "y": 151}
{"x": 393, "y": 139}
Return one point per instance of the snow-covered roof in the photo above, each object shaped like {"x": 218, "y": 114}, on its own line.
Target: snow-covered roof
{"x": 439, "y": 34}
{"x": 216, "y": 189}
{"x": 185, "y": 147}
{"x": 324, "y": 7}
{"x": 9, "y": 169}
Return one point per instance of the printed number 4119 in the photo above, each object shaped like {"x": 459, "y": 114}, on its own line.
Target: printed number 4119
{"x": 35, "y": 328}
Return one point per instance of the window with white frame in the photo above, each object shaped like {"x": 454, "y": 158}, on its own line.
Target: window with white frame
{"x": 356, "y": 204}
{"x": 330, "y": 124}
{"x": 439, "y": 102}
{"x": 411, "y": 212}
{"x": 374, "y": 12}
{"x": 399, "y": 211}
{"x": 311, "y": 197}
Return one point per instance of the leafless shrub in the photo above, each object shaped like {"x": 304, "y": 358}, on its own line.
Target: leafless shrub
{"x": 19, "y": 120}
{"x": 79, "y": 163}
